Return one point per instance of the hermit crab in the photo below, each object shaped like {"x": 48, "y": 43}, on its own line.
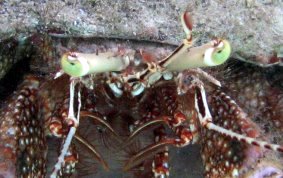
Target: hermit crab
{"x": 143, "y": 105}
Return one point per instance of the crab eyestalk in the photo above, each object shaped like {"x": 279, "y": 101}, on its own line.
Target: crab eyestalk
{"x": 81, "y": 64}
{"x": 219, "y": 54}
{"x": 184, "y": 57}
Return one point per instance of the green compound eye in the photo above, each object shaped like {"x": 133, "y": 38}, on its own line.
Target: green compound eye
{"x": 220, "y": 55}
{"x": 72, "y": 67}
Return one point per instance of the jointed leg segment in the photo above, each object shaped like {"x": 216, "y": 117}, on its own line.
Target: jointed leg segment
{"x": 179, "y": 127}
{"x": 205, "y": 119}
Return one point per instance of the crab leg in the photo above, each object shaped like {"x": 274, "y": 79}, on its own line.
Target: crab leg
{"x": 205, "y": 75}
{"x": 205, "y": 119}
{"x": 70, "y": 160}
{"x": 71, "y": 133}
{"x": 183, "y": 133}
{"x": 178, "y": 119}
{"x": 160, "y": 166}
{"x": 64, "y": 151}
{"x": 184, "y": 138}
{"x": 56, "y": 127}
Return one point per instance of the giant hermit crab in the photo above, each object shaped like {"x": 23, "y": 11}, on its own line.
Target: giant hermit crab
{"x": 115, "y": 89}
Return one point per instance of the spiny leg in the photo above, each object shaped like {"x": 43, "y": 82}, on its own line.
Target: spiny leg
{"x": 257, "y": 91}
{"x": 227, "y": 147}
{"x": 70, "y": 160}
{"x": 199, "y": 72}
{"x": 74, "y": 123}
{"x": 160, "y": 165}
{"x": 59, "y": 126}
{"x": 58, "y": 130}
{"x": 56, "y": 122}
{"x": 181, "y": 130}
{"x": 161, "y": 109}
{"x": 206, "y": 121}
{"x": 22, "y": 144}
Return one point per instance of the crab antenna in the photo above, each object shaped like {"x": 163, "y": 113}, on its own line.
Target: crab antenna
{"x": 99, "y": 120}
{"x": 93, "y": 150}
{"x": 206, "y": 121}
{"x": 138, "y": 130}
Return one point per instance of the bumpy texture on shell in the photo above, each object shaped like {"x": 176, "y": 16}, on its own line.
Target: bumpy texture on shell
{"x": 23, "y": 145}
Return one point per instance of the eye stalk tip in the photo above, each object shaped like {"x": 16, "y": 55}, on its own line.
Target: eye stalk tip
{"x": 222, "y": 51}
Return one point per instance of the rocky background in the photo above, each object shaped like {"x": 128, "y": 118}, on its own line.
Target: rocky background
{"x": 254, "y": 27}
